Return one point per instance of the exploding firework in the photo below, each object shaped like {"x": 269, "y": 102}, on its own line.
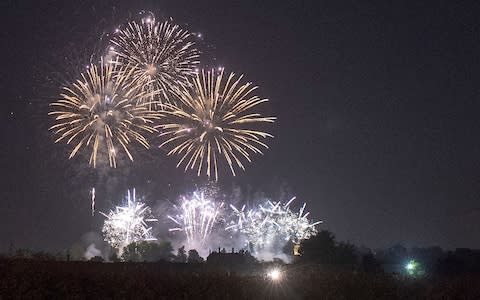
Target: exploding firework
{"x": 128, "y": 223}
{"x": 99, "y": 113}
{"x": 297, "y": 226}
{"x": 272, "y": 222}
{"x": 213, "y": 119}
{"x": 196, "y": 217}
{"x": 163, "y": 54}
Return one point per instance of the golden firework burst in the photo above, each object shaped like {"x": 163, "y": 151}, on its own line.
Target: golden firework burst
{"x": 164, "y": 55}
{"x": 104, "y": 112}
{"x": 212, "y": 118}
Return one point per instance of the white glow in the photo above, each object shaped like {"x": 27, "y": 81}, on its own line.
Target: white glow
{"x": 196, "y": 217}
{"x": 271, "y": 222}
{"x": 92, "y": 192}
{"x": 275, "y": 275}
{"x": 128, "y": 223}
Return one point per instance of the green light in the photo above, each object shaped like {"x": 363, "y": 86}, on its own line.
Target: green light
{"x": 413, "y": 268}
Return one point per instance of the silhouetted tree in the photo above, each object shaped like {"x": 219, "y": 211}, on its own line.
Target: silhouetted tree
{"x": 131, "y": 253}
{"x": 156, "y": 251}
{"x": 97, "y": 259}
{"x": 148, "y": 251}
{"x": 393, "y": 255}
{"x": 114, "y": 257}
{"x": 77, "y": 252}
{"x": 323, "y": 249}
{"x": 462, "y": 260}
{"x": 194, "y": 257}
{"x": 427, "y": 257}
{"x": 22, "y": 253}
{"x": 181, "y": 255}
{"x": 319, "y": 248}
{"x": 166, "y": 250}
{"x": 369, "y": 263}
{"x": 345, "y": 254}
{"x": 44, "y": 256}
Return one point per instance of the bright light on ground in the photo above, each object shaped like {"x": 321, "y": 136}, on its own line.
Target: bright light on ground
{"x": 275, "y": 275}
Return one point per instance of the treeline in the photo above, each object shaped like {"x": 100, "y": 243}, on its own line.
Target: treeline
{"x": 322, "y": 249}
{"x": 154, "y": 251}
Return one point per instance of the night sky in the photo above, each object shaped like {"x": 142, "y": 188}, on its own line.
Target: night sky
{"x": 377, "y": 105}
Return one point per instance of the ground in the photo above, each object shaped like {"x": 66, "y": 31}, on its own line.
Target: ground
{"x": 80, "y": 280}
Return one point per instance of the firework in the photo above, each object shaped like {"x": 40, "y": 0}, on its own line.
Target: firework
{"x": 297, "y": 225}
{"x": 272, "y": 222}
{"x": 92, "y": 193}
{"x": 163, "y": 54}
{"x": 213, "y": 119}
{"x": 127, "y": 224}
{"x": 196, "y": 217}
{"x": 99, "y": 113}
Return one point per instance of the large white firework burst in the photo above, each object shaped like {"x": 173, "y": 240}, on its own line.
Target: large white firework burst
{"x": 272, "y": 222}
{"x": 163, "y": 54}
{"x": 196, "y": 217}
{"x": 127, "y": 224}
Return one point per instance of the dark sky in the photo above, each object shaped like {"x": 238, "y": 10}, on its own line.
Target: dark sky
{"x": 377, "y": 104}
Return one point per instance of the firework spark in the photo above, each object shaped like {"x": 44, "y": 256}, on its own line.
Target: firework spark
{"x": 164, "y": 55}
{"x": 92, "y": 193}
{"x": 100, "y": 113}
{"x": 127, "y": 224}
{"x": 271, "y": 222}
{"x": 213, "y": 119}
{"x": 196, "y": 217}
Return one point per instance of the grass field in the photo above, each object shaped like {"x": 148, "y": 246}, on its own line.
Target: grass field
{"x": 81, "y": 280}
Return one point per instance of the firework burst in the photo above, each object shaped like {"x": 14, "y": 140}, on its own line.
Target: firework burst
{"x": 127, "y": 224}
{"x": 163, "y": 54}
{"x": 271, "y": 222}
{"x": 213, "y": 119}
{"x": 196, "y": 217}
{"x": 100, "y": 113}
{"x": 297, "y": 226}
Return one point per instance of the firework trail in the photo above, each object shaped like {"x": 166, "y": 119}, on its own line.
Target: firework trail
{"x": 213, "y": 120}
{"x": 92, "y": 192}
{"x": 163, "y": 55}
{"x": 127, "y": 224}
{"x": 99, "y": 113}
{"x": 196, "y": 217}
